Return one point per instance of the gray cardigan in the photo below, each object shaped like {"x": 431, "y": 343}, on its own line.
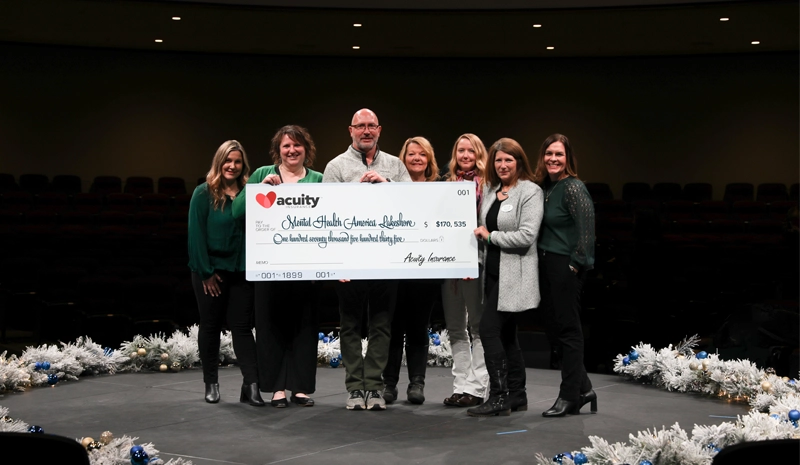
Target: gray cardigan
{"x": 518, "y": 231}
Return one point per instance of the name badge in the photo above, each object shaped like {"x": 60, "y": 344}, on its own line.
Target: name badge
{"x": 507, "y": 207}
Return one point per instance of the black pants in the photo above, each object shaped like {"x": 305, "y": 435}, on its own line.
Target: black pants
{"x": 415, "y": 300}
{"x": 235, "y": 303}
{"x": 286, "y": 336}
{"x": 379, "y": 298}
{"x": 499, "y": 337}
{"x": 561, "y": 306}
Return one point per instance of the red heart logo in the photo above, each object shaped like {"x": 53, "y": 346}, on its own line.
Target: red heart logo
{"x": 266, "y": 201}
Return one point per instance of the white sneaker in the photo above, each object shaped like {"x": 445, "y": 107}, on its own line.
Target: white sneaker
{"x": 375, "y": 401}
{"x": 355, "y": 401}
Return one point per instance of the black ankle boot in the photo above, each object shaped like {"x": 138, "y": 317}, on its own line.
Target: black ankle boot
{"x": 498, "y": 390}
{"x": 416, "y": 390}
{"x": 251, "y": 395}
{"x": 212, "y": 393}
{"x": 518, "y": 401}
{"x": 389, "y": 394}
{"x": 586, "y": 398}
{"x": 561, "y": 408}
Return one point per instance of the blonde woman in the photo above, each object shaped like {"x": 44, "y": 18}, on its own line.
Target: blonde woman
{"x": 216, "y": 258}
{"x": 415, "y": 298}
{"x": 461, "y": 299}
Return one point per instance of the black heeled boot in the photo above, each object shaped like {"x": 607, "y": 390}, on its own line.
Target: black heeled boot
{"x": 586, "y": 398}
{"x": 391, "y": 374}
{"x": 517, "y": 397}
{"x": 212, "y": 393}
{"x": 417, "y": 361}
{"x": 561, "y": 408}
{"x": 497, "y": 404}
{"x": 251, "y": 395}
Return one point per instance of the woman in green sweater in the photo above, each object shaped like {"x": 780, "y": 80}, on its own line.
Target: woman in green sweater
{"x": 286, "y": 336}
{"x": 566, "y": 253}
{"x": 216, "y": 258}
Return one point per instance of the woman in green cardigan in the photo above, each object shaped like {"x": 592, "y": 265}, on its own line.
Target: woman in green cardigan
{"x": 286, "y": 336}
{"x": 216, "y": 258}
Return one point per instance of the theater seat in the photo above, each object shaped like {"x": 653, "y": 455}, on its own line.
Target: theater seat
{"x": 43, "y": 448}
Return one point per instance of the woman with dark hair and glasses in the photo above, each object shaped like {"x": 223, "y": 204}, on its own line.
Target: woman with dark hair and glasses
{"x": 286, "y": 313}
{"x": 566, "y": 249}
{"x": 508, "y": 223}
{"x": 216, "y": 258}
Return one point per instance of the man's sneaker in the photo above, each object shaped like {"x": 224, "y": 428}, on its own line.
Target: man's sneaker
{"x": 355, "y": 401}
{"x": 375, "y": 401}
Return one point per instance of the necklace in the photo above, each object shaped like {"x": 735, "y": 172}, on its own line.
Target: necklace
{"x": 550, "y": 191}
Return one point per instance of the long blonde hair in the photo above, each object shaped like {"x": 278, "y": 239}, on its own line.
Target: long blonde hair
{"x": 480, "y": 156}
{"x": 432, "y": 170}
{"x": 214, "y": 176}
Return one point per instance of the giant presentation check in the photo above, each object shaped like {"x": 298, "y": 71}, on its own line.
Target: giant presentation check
{"x": 361, "y": 231}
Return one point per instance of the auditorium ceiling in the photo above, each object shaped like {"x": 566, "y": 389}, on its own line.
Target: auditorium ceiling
{"x": 409, "y": 28}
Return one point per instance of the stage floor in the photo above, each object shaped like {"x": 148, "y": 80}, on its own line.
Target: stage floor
{"x": 168, "y": 410}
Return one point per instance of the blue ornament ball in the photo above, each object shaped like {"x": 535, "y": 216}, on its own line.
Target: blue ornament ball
{"x": 633, "y": 355}
{"x": 792, "y": 382}
{"x": 52, "y": 379}
{"x": 35, "y": 429}
{"x": 702, "y": 354}
{"x": 135, "y": 449}
{"x": 559, "y": 458}
{"x": 45, "y": 365}
{"x": 580, "y": 458}
{"x": 326, "y": 339}
{"x": 775, "y": 416}
{"x": 626, "y": 361}
{"x": 321, "y": 335}
{"x": 139, "y": 458}
{"x": 794, "y": 415}
{"x": 436, "y": 342}
{"x": 334, "y": 362}
{"x": 645, "y": 462}
{"x": 38, "y": 366}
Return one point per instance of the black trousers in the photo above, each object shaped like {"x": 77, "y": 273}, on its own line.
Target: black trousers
{"x": 561, "y": 306}
{"x": 499, "y": 337}
{"x": 379, "y": 298}
{"x": 415, "y": 301}
{"x": 234, "y": 304}
{"x": 287, "y": 335}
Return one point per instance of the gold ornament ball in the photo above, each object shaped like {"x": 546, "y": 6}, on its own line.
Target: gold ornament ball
{"x": 86, "y": 441}
{"x": 785, "y": 379}
{"x": 176, "y": 366}
{"x": 106, "y": 437}
{"x": 681, "y": 356}
{"x": 94, "y": 445}
{"x": 766, "y": 385}
{"x": 6, "y": 419}
{"x": 705, "y": 364}
{"x": 142, "y": 351}
{"x": 164, "y": 356}
{"x": 694, "y": 366}
{"x": 163, "y": 367}
{"x": 134, "y": 355}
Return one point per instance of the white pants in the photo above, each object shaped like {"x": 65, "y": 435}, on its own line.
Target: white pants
{"x": 461, "y": 301}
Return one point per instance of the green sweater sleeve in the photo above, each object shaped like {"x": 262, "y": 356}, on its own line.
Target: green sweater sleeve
{"x": 199, "y": 206}
{"x": 239, "y": 204}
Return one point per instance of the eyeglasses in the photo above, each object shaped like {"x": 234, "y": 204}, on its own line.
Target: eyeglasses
{"x": 362, "y": 127}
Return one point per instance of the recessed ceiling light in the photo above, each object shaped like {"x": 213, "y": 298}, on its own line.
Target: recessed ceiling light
{"x": 158, "y": 41}
{"x": 356, "y": 24}
{"x": 724, "y": 19}
{"x": 537, "y": 25}
{"x": 755, "y": 42}
{"x": 551, "y": 48}
{"x": 356, "y": 47}
{"x": 176, "y": 18}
